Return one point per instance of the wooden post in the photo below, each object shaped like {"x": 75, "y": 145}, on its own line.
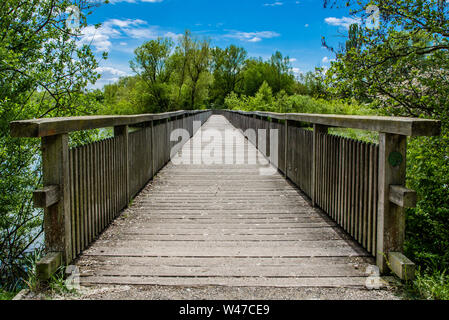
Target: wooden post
{"x": 317, "y": 129}
{"x": 57, "y": 217}
{"x": 124, "y": 131}
{"x": 390, "y": 217}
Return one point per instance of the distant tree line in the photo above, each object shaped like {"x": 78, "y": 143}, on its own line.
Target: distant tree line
{"x": 191, "y": 74}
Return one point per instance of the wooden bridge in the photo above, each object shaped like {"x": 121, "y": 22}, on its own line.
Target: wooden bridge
{"x": 332, "y": 207}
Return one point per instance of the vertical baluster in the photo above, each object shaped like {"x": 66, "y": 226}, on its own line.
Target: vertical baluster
{"x": 350, "y": 184}
{"x": 72, "y": 201}
{"x": 76, "y": 199}
{"x": 109, "y": 179}
{"x": 365, "y": 195}
{"x": 101, "y": 185}
{"x": 376, "y": 198}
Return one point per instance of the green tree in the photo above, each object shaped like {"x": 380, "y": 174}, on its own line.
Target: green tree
{"x": 276, "y": 72}
{"x": 403, "y": 67}
{"x": 153, "y": 66}
{"x": 198, "y": 72}
{"x": 227, "y": 67}
{"x": 43, "y": 72}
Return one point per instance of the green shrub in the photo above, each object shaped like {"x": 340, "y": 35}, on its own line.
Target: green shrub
{"x": 427, "y": 226}
{"x": 430, "y": 285}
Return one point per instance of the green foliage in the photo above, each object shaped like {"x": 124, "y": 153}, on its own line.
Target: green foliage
{"x": 313, "y": 84}
{"x": 43, "y": 73}
{"x": 427, "y": 231}
{"x": 283, "y": 103}
{"x": 228, "y": 67}
{"x": 152, "y": 65}
{"x": 403, "y": 67}
{"x": 404, "y": 64}
{"x": 429, "y": 285}
{"x": 7, "y": 295}
{"x": 276, "y": 72}
{"x": 30, "y": 261}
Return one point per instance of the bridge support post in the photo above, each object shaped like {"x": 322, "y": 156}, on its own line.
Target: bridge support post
{"x": 124, "y": 131}
{"x": 57, "y": 217}
{"x": 390, "y": 216}
{"x": 317, "y": 129}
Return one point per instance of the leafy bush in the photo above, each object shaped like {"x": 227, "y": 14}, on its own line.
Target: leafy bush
{"x": 430, "y": 285}
{"x": 427, "y": 227}
{"x": 283, "y": 103}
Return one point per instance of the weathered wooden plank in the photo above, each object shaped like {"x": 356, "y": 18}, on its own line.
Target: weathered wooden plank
{"x": 311, "y": 234}
{"x": 72, "y": 200}
{"x": 376, "y": 198}
{"x": 55, "y": 126}
{"x": 403, "y": 197}
{"x": 57, "y": 218}
{"x": 195, "y": 214}
{"x": 393, "y": 125}
{"x": 226, "y": 271}
{"x": 48, "y": 265}
{"x": 364, "y": 224}
{"x": 391, "y": 218}
{"x": 47, "y": 196}
{"x": 232, "y": 281}
{"x": 214, "y": 251}
{"x": 90, "y": 193}
{"x": 223, "y": 261}
{"x": 403, "y": 267}
{"x": 79, "y": 201}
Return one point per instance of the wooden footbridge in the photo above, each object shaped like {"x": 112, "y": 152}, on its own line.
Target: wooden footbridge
{"x": 126, "y": 214}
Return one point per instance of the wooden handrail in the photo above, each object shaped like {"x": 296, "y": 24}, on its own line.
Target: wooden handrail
{"x": 395, "y": 125}
{"x": 88, "y": 186}
{"x": 36, "y": 128}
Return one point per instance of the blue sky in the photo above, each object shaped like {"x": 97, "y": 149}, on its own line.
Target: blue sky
{"x": 261, "y": 26}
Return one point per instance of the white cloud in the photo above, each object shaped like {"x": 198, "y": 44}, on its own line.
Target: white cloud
{"x": 114, "y": 29}
{"x": 306, "y": 25}
{"x": 296, "y": 71}
{"x": 252, "y": 36}
{"x": 326, "y": 60}
{"x": 275, "y": 4}
{"x": 293, "y": 59}
{"x": 342, "y": 22}
{"x": 111, "y": 71}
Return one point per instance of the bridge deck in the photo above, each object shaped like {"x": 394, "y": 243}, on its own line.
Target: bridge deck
{"x": 223, "y": 225}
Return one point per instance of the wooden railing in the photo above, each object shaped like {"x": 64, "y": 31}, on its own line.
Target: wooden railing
{"x": 86, "y": 187}
{"x": 361, "y": 186}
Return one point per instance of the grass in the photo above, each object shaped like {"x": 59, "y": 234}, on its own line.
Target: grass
{"x": 7, "y": 295}
{"x": 429, "y": 285}
{"x": 55, "y": 286}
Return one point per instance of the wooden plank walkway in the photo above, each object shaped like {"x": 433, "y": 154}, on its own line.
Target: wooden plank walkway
{"x": 199, "y": 225}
